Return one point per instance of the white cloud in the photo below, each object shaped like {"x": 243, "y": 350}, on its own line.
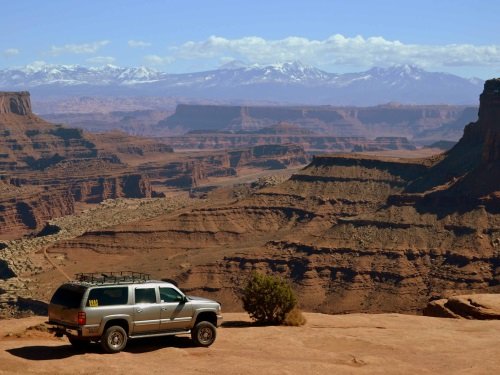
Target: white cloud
{"x": 10, "y": 52}
{"x": 158, "y": 60}
{"x": 101, "y": 60}
{"x": 84, "y": 48}
{"x": 138, "y": 44}
{"x": 339, "y": 50}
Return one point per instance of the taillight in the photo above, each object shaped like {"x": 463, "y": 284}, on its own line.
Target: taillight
{"x": 82, "y": 318}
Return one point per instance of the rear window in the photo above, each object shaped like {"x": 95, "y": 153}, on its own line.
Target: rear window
{"x": 108, "y": 296}
{"x": 68, "y": 296}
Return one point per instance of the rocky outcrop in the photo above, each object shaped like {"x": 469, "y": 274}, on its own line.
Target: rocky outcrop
{"x": 268, "y": 156}
{"x": 489, "y": 124}
{"x": 95, "y": 190}
{"x": 15, "y": 102}
{"x": 474, "y": 306}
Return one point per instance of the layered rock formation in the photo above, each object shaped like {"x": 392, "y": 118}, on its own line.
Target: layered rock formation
{"x": 390, "y": 120}
{"x": 353, "y": 233}
{"x": 189, "y": 170}
{"x": 284, "y": 133}
{"x": 46, "y": 168}
{"x": 99, "y": 118}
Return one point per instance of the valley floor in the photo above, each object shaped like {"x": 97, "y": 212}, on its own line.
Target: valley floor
{"x": 327, "y": 344}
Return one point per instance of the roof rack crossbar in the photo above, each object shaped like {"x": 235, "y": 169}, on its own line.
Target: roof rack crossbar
{"x": 113, "y": 277}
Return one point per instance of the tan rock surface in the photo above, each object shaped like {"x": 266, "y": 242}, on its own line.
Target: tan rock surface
{"x": 328, "y": 344}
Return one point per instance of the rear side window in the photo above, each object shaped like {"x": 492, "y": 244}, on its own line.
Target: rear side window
{"x": 68, "y": 296}
{"x": 108, "y": 296}
{"x": 145, "y": 295}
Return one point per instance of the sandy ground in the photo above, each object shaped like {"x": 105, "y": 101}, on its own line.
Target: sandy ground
{"x": 327, "y": 344}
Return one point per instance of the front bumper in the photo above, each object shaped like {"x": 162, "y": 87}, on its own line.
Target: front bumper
{"x": 219, "y": 320}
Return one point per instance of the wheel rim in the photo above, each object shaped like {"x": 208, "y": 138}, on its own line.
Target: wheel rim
{"x": 115, "y": 339}
{"x": 205, "y": 335}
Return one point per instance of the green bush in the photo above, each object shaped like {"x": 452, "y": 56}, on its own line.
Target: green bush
{"x": 268, "y": 298}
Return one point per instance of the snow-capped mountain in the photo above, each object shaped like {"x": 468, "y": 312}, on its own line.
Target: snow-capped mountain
{"x": 291, "y": 82}
{"x": 44, "y": 74}
{"x": 285, "y": 73}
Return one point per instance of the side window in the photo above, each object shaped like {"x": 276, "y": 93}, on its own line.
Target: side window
{"x": 145, "y": 295}
{"x": 170, "y": 295}
{"x": 107, "y": 296}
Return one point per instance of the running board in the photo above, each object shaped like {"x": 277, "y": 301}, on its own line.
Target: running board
{"x": 171, "y": 333}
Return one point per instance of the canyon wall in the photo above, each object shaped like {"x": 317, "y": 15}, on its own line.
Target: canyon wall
{"x": 46, "y": 168}
{"x": 310, "y": 142}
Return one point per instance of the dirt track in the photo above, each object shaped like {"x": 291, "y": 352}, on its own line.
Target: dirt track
{"x": 328, "y": 344}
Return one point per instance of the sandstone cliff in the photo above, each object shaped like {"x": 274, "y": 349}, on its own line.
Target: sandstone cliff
{"x": 27, "y": 208}
{"x": 15, "y": 102}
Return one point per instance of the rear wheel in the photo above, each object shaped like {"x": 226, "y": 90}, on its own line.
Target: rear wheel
{"x": 204, "y": 334}
{"x": 114, "y": 339}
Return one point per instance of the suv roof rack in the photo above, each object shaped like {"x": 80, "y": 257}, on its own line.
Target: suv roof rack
{"x": 113, "y": 277}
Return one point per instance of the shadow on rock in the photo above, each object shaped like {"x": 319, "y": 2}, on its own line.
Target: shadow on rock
{"x": 145, "y": 345}
{"x": 238, "y": 324}
{"x": 48, "y": 353}
{"x": 136, "y": 346}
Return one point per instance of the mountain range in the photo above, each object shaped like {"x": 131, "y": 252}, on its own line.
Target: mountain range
{"x": 289, "y": 82}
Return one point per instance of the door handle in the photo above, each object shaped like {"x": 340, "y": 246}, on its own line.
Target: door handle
{"x": 164, "y": 309}
{"x": 139, "y": 310}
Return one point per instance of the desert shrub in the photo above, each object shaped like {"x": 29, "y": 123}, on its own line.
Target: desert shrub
{"x": 268, "y": 299}
{"x": 294, "y": 318}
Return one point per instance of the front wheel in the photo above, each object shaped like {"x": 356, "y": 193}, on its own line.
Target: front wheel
{"x": 203, "y": 334}
{"x": 114, "y": 339}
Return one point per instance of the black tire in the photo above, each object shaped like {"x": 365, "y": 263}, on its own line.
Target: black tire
{"x": 78, "y": 343}
{"x": 204, "y": 334}
{"x": 114, "y": 339}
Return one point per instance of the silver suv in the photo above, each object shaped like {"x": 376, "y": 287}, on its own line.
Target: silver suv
{"x": 114, "y": 307}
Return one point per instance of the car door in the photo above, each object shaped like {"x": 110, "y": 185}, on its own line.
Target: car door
{"x": 146, "y": 310}
{"x": 176, "y": 311}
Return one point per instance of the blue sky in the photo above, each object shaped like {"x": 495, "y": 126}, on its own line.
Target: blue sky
{"x": 460, "y": 37}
